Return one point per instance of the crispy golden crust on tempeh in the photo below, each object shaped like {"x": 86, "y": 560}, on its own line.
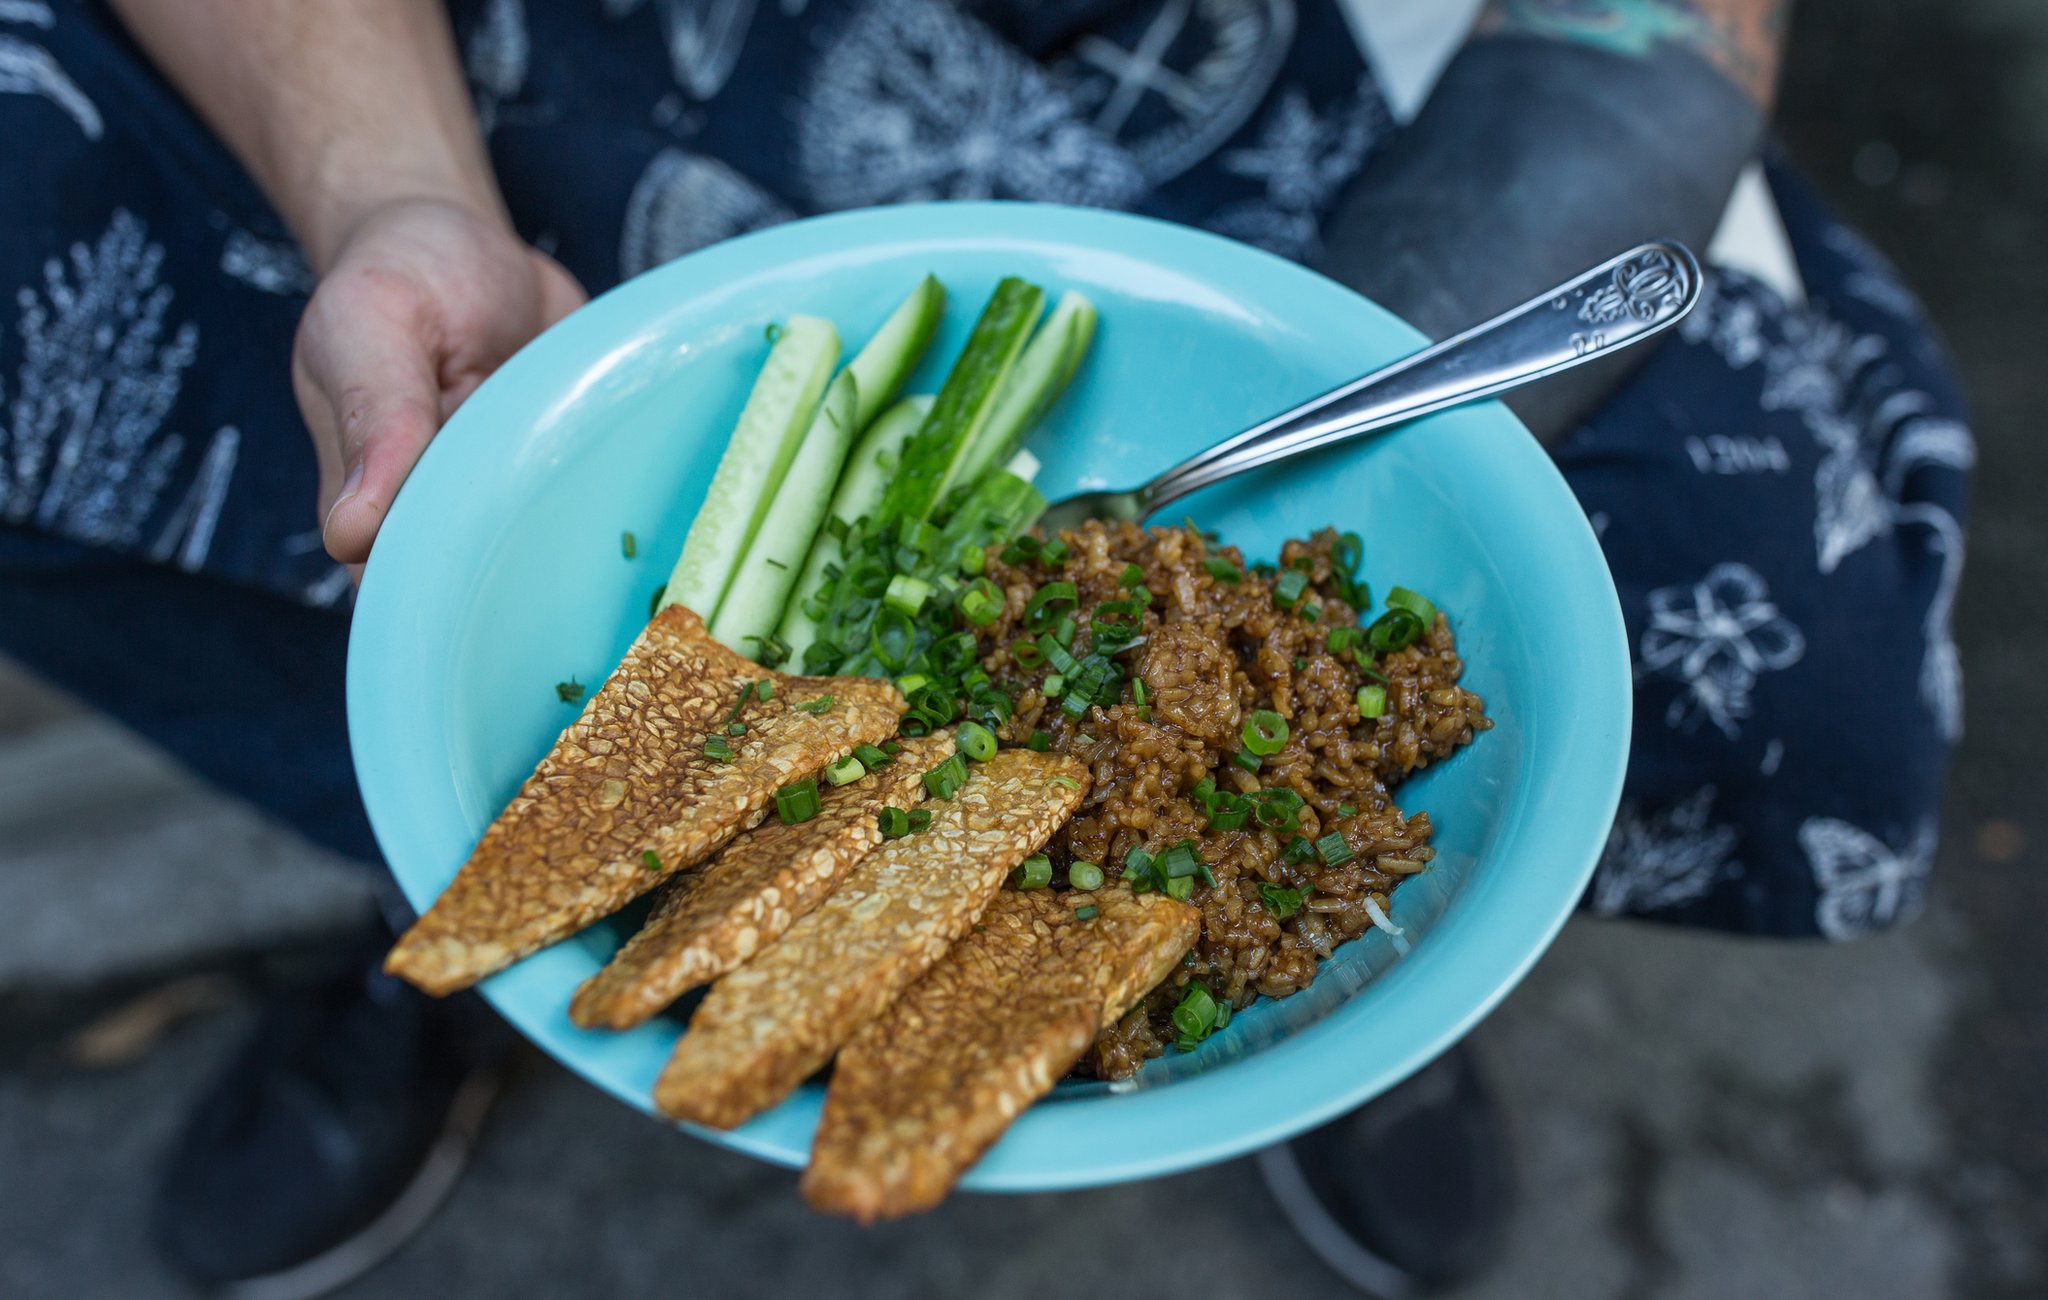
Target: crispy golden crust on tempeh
{"x": 927, "y": 1086}
{"x": 766, "y": 1026}
{"x": 630, "y": 776}
{"x": 709, "y": 921}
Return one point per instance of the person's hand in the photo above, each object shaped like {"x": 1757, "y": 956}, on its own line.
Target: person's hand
{"x": 422, "y": 300}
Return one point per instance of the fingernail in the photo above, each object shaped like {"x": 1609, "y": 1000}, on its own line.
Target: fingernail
{"x": 349, "y": 487}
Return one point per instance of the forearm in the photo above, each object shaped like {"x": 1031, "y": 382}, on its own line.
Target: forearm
{"x": 1564, "y": 132}
{"x": 335, "y": 106}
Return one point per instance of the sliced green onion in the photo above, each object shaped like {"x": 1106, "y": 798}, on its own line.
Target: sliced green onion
{"x": 569, "y": 692}
{"x": 1247, "y": 760}
{"x": 654, "y": 601}
{"x": 1182, "y": 888}
{"x": 629, "y": 545}
{"x": 1415, "y": 603}
{"x": 1027, "y": 654}
{"x": 1085, "y": 876}
{"x": 764, "y": 690}
{"x": 1299, "y": 850}
{"x": 1281, "y": 901}
{"x": 1312, "y": 611}
{"x": 1086, "y": 912}
{"x": 920, "y": 818}
{"x": 1223, "y": 570}
{"x": 1061, "y": 659}
{"x": 1138, "y": 696}
{"x": 718, "y": 749}
{"x": 797, "y": 801}
{"x": 1195, "y": 1016}
{"x": 1063, "y": 629}
{"x": 1054, "y": 684}
{"x": 1289, "y": 588}
{"x": 872, "y": 757}
{"x": 823, "y": 704}
{"x": 1139, "y": 872}
{"x": 1333, "y": 850}
{"x": 1342, "y": 639}
{"x": 895, "y": 823}
{"x": 973, "y": 559}
{"x": 1347, "y": 810}
{"x": 1063, "y": 782}
{"x": 1229, "y": 812}
{"x": 1181, "y": 860}
{"x": 1053, "y": 553}
{"x": 1397, "y": 629}
{"x": 1035, "y": 872}
{"x": 1299, "y": 663}
{"x": 1346, "y": 554}
{"x": 735, "y": 728}
{"x": 846, "y": 771}
{"x": 651, "y": 860}
{"x": 975, "y": 741}
{"x": 1047, "y": 602}
{"x": 1265, "y": 732}
{"x": 982, "y": 603}
{"x": 1039, "y": 742}
{"x": 945, "y": 780}
{"x": 1372, "y": 701}
{"x": 1276, "y": 809}
{"x": 906, "y": 593}
{"x": 1132, "y": 576}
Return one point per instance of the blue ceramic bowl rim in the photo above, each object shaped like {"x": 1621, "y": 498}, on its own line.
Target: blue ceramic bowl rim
{"x": 1468, "y": 962}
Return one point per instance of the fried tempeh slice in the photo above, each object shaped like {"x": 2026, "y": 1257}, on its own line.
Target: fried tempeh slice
{"x": 765, "y": 1027}
{"x": 926, "y": 1087}
{"x": 629, "y": 778}
{"x": 706, "y": 923}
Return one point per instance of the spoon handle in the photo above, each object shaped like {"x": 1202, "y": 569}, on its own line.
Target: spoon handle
{"x": 1622, "y": 301}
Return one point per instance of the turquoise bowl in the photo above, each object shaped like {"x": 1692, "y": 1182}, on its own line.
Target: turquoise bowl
{"x": 500, "y": 573}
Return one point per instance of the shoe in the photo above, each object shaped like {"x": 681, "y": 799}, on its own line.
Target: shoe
{"x": 1408, "y": 1194}
{"x": 332, "y": 1138}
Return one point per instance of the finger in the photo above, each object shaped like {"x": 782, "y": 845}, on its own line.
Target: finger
{"x": 371, "y": 377}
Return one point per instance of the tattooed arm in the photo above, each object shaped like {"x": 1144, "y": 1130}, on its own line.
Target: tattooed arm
{"x": 353, "y": 117}
{"x": 1563, "y": 132}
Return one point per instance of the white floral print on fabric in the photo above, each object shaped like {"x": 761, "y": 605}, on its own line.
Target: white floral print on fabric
{"x": 684, "y": 202}
{"x": 83, "y": 453}
{"x": 188, "y": 534}
{"x": 1194, "y": 76}
{"x": 271, "y": 265}
{"x": 28, "y": 69}
{"x": 705, "y": 38}
{"x": 1662, "y": 861}
{"x": 1716, "y": 636}
{"x": 1873, "y": 433}
{"x": 496, "y": 57}
{"x": 1303, "y": 158}
{"x": 913, "y": 100}
{"x": 1865, "y": 883}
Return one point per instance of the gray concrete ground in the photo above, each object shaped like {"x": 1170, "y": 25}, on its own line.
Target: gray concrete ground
{"x": 1696, "y": 1117}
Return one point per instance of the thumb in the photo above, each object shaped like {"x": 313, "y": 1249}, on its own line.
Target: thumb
{"x": 370, "y": 392}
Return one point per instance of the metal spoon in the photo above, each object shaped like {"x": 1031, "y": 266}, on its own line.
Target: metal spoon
{"x": 1621, "y": 301}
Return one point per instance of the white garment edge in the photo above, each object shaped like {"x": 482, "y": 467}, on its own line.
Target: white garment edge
{"x": 1408, "y": 42}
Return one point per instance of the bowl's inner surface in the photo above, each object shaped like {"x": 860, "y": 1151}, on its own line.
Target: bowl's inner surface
{"x": 615, "y": 422}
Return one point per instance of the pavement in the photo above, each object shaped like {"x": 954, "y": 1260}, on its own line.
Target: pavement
{"x": 1695, "y": 1117}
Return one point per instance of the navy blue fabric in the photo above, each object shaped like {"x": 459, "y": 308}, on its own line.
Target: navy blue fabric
{"x": 1779, "y": 490}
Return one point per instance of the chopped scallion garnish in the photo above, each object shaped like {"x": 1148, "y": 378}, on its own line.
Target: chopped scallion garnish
{"x": 797, "y": 801}
{"x": 1415, "y": 603}
{"x": 1039, "y": 742}
{"x": 846, "y": 771}
{"x": 1247, "y": 760}
{"x": 1086, "y": 912}
{"x": 1265, "y": 732}
{"x": 1281, "y": 901}
{"x": 569, "y": 692}
{"x": 975, "y": 741}
{"x": 1063, "y": 782}
{"x": 1195, "y": 1017}
{"x": 650, "y": 860}
{"x": 982, "y": 603}
{"x": 1397, "y": 629}
{"x": 945, "y": 780}
{"x": 718, "y": 749}
{"x": 872, "y": 757}
{"x": 1289, "y": 588}
{"x": 1035, "y": 872}
{"x": 1372, "y": 701}
{"x": 1132, "y": 576}
{"x": 1085, "y": 876}
{"x": 629, "y": 545}
{"x": 1223, "y": 570}
{"x": 823, "y": 704}
{"x": 1333, "y": 850}
{"x": 906, "y": 594}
